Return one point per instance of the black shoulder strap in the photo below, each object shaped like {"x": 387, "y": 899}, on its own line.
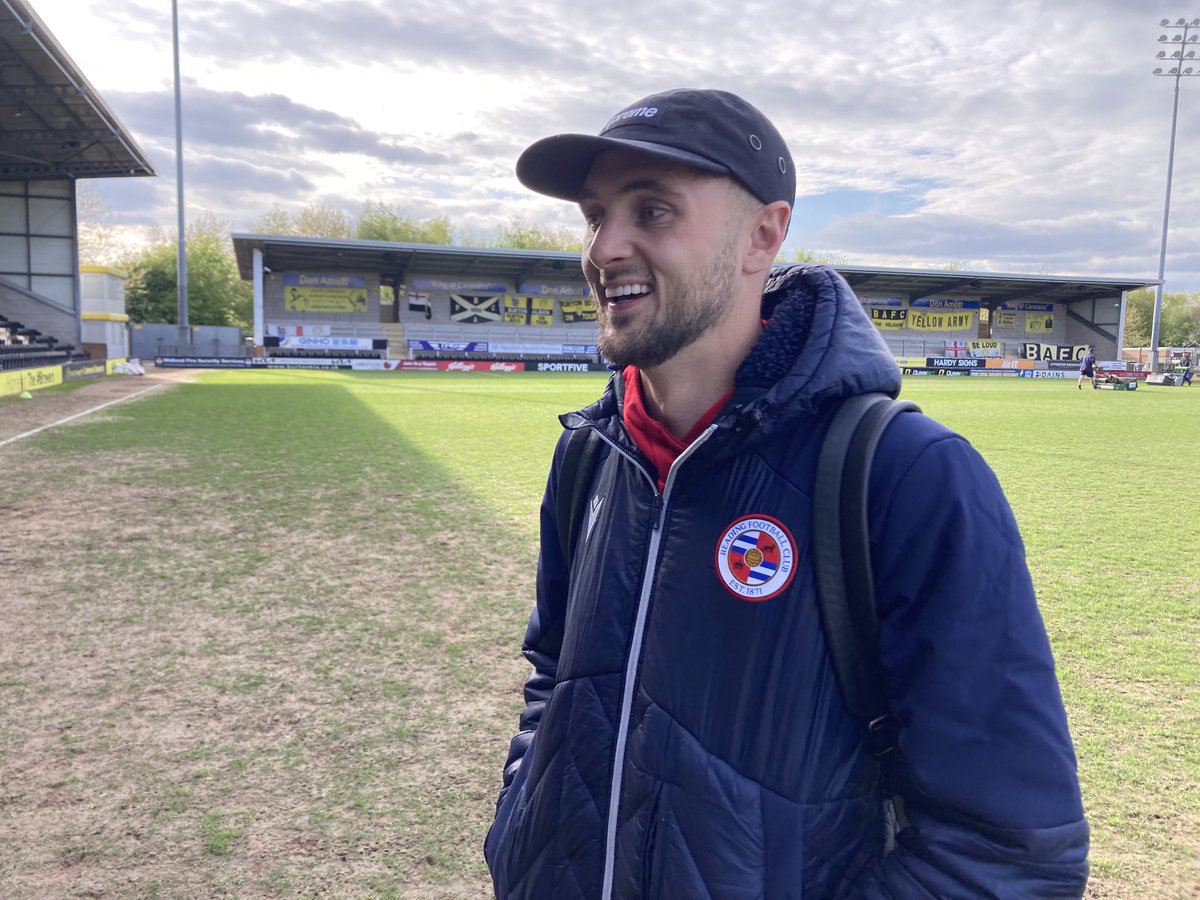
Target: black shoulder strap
{"x": 842, "y": 558}
{"x": 578, "y": 458}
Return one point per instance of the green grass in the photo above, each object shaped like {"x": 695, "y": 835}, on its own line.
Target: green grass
{"x": 268, "y": 633}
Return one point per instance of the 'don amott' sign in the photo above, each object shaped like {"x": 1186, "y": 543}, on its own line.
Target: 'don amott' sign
{"x": 314, "y": 292}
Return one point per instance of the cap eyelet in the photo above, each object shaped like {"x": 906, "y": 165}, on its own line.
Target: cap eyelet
{"x": 782, "y": 166}
{"x": 755, "y": 142}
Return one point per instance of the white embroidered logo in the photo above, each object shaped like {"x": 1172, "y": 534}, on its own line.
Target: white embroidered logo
{"x": 593, "y": 514}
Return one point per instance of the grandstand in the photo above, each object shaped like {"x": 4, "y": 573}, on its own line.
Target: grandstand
{"x": 25, "y": 348}
{"x": 56, "y": 130}
{"x": 322, "y": 297}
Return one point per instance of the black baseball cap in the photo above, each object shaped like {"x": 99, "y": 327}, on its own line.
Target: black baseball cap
{"x": 711, "y": 130}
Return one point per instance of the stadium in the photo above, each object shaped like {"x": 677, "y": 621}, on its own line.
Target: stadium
{"x": 263, "y": 604}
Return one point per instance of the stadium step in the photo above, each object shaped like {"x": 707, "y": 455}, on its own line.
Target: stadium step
{"x": 397, "y": 343}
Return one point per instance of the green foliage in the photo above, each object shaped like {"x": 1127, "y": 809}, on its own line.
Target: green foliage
{"x": 317, "y": 219}
{"x": 819, "y": 257}
{"x": 380, "y": 222}
{"x": 217, "y": 295}
{"x": 521, "y": 235}
{"x": 1178, "y": 327}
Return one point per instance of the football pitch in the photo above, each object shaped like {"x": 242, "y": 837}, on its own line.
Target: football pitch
{"x": 262, "y": 630}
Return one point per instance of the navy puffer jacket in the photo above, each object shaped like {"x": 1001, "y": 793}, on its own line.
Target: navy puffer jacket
{"x": 684, "y": 735}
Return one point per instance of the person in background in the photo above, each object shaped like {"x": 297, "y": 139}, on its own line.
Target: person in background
{"x": 684, "y": 735}
{"x": 1087, "y": 368}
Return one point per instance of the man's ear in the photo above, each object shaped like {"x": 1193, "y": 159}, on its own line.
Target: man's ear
{"x": 769, "y": 228}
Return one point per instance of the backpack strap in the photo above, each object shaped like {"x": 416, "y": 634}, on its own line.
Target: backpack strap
{"x": 582, "y": 446}
{"x": 842, "y": 558}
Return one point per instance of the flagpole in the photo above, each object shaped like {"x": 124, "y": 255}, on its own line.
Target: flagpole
{"x": 181, "y": 263}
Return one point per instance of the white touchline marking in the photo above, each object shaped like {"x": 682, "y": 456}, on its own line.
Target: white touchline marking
{"x": 86, "y": 412}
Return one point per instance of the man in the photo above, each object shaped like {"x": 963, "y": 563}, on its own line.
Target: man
{"x": 1087, "y": 368}
{"x": 684, "y": 735}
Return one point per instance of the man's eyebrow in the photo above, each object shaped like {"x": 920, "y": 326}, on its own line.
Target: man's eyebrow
{"x": 653, "y": 185}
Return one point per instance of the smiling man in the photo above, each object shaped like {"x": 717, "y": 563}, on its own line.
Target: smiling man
{"x": 684, "y": 734}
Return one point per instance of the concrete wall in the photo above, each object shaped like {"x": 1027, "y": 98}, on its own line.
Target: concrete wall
{"x": 57, "y": 321}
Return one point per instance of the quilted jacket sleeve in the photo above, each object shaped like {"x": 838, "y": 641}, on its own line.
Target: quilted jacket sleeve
{"x": 993, "y": 799}
{"x": 543, "y": 640}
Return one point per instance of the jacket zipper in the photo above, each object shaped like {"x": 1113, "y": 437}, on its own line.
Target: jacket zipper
{"x": 632, "y": 665}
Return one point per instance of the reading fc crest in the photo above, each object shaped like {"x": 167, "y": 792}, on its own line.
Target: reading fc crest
{"x": 755, "y": 558}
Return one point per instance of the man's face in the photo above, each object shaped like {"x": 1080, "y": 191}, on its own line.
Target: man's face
{"x": 662, "y": 251}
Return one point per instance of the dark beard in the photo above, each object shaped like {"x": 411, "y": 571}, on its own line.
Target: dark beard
{"x": 699, "y": 305}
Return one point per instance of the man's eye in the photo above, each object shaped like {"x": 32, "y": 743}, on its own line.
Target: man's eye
{"x": 653, "y": 212}
{"x": 592, "y": 220}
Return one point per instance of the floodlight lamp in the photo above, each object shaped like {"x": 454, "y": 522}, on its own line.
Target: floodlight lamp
{"x": 1194, "y": 22}
{"x": 1191, "y": 54}
{"x": 1175, "y": 55}
{"x": 1187, "y": 71}
{"x": 1175, "y": 39}
{"x": 1158, "y": 71}
{"x": 1192, "y": 38}
{"x": 1162, "y": 54}
{"x": 1165, "y": 22}
{"x": 1174, "y": 71}
{"x": 1162, "y": 38}
{"x": 1181, "y": 22}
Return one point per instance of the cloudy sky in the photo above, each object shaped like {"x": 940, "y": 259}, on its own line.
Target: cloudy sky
{"x": 1003, "y": 135}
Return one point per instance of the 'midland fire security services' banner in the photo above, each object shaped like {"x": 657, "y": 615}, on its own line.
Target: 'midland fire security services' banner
{"x": 307, "y": 292}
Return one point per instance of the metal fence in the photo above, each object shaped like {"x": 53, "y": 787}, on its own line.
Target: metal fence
{"x": 149, "y": 341}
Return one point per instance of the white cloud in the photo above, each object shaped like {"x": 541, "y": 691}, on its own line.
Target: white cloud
{"x": 1026, "y": 134}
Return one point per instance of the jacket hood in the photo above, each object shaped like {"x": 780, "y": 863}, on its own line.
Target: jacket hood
{"x": 818, "y": 346}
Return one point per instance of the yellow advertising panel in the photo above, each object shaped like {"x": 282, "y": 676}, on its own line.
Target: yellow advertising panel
{"x": 941, "y": 320}
{"x": 304, "y": 292}
{"x": 48, "y": 376}
{"x": 1001, "y": 319}
{"x": 10, "y": 383}
{"x": 1039, "y": 323}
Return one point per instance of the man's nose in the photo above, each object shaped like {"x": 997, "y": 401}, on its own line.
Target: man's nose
{"x": 610, "y": 243}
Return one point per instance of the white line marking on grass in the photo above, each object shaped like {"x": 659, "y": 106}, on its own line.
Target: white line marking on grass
{"x": 86, "y": 412}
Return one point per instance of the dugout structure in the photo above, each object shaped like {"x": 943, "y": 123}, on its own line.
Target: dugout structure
{"x": 54, "y": 130}
{"x": 417, "y": 301}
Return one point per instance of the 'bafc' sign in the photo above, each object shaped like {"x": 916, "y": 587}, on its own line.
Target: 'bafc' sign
{"x": 1053, "y": 352}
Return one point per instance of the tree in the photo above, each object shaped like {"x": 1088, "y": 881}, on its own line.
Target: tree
{"x": 217, "y": 295}
{"x": 99, "y": 244}
{"x": 1178, "y": 327}
{"x": 819, "y": 257}
{"x": 379, "y": 222}
{"x": 521, "y": 235}
{"x": 318, "y": 219}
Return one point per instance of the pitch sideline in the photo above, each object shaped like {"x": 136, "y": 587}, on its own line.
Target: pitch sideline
{"x": 86, "y": 412}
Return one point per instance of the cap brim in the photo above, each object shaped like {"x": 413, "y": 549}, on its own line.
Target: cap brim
{"x": 559, "y": 165}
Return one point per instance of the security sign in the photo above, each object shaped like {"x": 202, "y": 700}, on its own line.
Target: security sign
{"x": 755, "y": 558}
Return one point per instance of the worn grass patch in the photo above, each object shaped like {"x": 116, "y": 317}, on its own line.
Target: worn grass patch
{"x": 262, "y": 631}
